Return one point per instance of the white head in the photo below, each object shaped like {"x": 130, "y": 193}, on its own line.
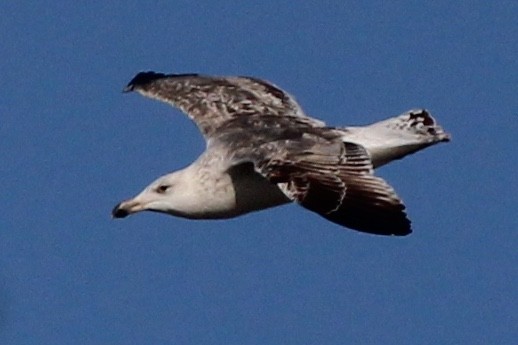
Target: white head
{"x": 172, "y": 193}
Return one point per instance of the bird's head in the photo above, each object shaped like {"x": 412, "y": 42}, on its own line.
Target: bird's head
{"x": 167, "y": 194}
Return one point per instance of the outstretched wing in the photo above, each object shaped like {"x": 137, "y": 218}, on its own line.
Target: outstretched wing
{"x": 334, "y": 179}
{"x": 211, "y": 101}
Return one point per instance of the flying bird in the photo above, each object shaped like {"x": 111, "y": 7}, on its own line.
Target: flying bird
{"x": 263, "y": 151}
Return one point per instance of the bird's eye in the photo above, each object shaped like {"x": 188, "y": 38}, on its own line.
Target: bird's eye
{"x": 162, "y": 189}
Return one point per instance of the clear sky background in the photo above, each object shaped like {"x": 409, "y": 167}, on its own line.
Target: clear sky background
{"x": 72, "y": 146}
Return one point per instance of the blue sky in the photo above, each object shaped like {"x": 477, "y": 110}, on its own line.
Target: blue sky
{"x": 72, "y": 146}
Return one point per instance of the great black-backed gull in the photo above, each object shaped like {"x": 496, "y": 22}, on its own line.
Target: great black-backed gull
{"x": 263, "y": 151}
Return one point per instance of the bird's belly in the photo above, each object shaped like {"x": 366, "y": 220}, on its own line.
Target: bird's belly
{"x": 254, "y": 195}
{"x": 252, "y": 192}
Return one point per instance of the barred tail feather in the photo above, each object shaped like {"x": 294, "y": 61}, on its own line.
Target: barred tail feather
{"x": 397, "y": 137}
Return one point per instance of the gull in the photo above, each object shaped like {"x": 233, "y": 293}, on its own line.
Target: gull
{"x": 262, "y": 151}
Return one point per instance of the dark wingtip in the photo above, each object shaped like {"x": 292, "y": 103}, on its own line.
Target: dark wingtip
{"x": 403, "y": 232}
{"x": 142, "y": 78}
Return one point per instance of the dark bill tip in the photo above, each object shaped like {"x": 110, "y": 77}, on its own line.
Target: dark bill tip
{"x": 119, "y": 212}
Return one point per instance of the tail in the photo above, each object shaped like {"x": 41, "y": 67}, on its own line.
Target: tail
{"x": 398, "y": 136}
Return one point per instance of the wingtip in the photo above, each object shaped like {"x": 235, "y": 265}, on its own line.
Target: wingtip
{"x": 142, "y": 78}
{"x": 403, "y": 232}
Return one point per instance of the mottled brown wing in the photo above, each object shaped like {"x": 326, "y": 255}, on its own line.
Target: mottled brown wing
{"x": 211, "y": 101}
{"x": 337, "y": 182}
